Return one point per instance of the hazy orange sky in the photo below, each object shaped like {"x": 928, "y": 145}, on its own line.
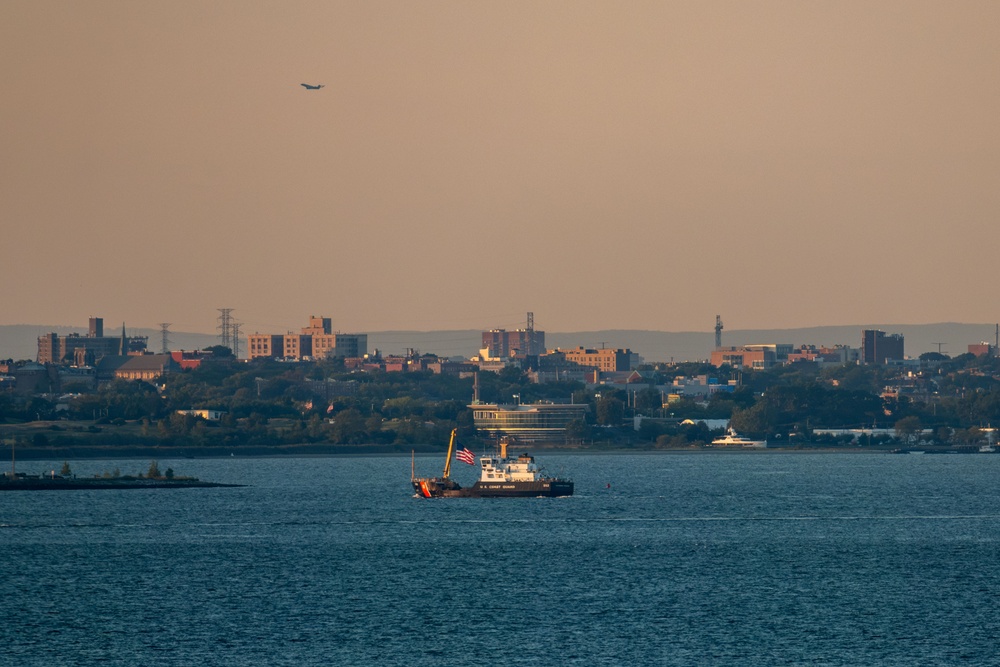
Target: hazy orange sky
{"x": 605, "y": 165}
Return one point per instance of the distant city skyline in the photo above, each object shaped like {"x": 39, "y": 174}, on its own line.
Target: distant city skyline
{"x": 646, "y": 166}
{"x": 20, "y": 341}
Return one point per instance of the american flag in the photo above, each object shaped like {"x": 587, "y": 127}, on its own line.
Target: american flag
{"x": 465, "y": 456}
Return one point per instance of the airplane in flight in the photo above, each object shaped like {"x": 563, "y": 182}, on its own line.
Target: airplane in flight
{"x": 308, "y": 87}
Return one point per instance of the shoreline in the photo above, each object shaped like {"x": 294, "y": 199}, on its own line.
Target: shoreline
{"x": 101, "y": 484}
{"x": 313, "y": 450}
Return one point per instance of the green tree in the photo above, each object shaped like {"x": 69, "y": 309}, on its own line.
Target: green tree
{"x": 577, "y": 430}
{"x": 968, "y": 437}
{"x": 348, "y": 427}
{"x": 648, "y": 400}
{"x": 610, "y": 411}
{"x": 753, "y": 420}
{"x": 649, "y": 430}
{"x": 907, "y": 427}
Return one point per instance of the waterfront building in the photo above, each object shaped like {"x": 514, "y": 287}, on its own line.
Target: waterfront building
{"x": 538, "y": 422}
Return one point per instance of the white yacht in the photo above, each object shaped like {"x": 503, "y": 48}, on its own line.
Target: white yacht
{"x": 732, "y": 439}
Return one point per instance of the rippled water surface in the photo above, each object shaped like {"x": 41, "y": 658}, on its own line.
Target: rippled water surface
{"x": 747, "y": 558}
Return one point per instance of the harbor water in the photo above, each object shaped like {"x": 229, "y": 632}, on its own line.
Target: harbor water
{"x": 721, "y": 558}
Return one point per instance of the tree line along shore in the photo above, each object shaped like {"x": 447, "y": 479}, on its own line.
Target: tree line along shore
{"x": 270, "y": 407}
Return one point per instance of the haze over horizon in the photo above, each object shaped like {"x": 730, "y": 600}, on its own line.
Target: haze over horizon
{"x": 642, "y": 166}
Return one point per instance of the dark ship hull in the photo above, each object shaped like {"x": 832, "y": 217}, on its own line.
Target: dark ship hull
{"x": 550, "y": 488}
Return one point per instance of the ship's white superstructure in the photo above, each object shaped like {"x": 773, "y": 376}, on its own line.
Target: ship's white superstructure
{"x": 508, "y": 469}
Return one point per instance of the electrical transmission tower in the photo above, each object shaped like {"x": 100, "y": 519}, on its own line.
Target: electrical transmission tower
{"x": 164, "y": 337}
{"x": 226, "y": 327}
{"x": 718, "y": 331}
{"x": 236, "y": 338}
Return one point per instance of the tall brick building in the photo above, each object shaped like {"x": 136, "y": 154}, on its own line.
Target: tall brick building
{"x": 877, "y": 347}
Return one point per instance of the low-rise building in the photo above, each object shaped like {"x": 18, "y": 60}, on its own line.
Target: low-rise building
{"x": 756, "y": 356}
{"x": 80, "y": 349}
{"x": 147, "y": 367}
{"x": 208, "y": 415}
{"x": 983, "y": 349}
{"x": 606, "y": 360}
{"x": 318, "y": 341}
{"x": 188, "y": 359}
{"x": 32, "y": 378}
{"x": 701, "y": 386}
{"x": 449, "y": 367}
{"x": 567, "y": 374}
{"x": 838, "y": 354}
{"x": 495, "y": 365}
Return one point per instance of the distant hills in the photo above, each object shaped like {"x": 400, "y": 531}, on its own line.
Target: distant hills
{"x": 19, "y": 341}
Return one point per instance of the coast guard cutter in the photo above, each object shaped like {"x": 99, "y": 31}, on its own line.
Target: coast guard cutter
{"x": 501, "y": 476}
